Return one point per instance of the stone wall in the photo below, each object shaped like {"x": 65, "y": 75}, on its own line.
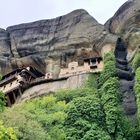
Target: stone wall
{"x": 74, "y": 69}
{"x": 50, "y": 87}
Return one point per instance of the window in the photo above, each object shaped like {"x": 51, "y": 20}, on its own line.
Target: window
{"x": 10, "y": 84}
{"x": 72, "y": 68}
{"x": 48, "y": 76}
{"x": 93, "y": 67}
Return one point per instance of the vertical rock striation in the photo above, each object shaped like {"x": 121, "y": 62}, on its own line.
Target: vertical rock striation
{"x": 126, "y": 76}
{"x": 126, "y": 23}
{"x": 5, "y": 51}
{"x": 53, "y": 43}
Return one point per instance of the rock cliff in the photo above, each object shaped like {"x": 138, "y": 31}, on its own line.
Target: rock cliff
{"x": 126, "y": 23}
{"x": 126, "y": 77}
{"x": 49, "y": 44}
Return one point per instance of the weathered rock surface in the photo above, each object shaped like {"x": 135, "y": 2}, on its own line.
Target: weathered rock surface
{"x": 47, "y": 44}
{"x": 126, "y": 23}
{"x": 126, "y": 77}
{"x": 51, "y": 44}
{"x": 73, "y": 82}
{"x": 5, "y": 52}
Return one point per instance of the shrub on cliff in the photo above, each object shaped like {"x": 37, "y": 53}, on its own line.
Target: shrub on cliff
{"x": 2, "y": 101}
{"x": 137, "y": 89}
{"x": 110, "y": 100}
{"x": 110, "y": 104}
{"x": 109, "y": 69}
{"x": 68, "y": 95}
{"x": 89, "y": 88}
{"x": 6, "y": 133}
{"x": 136, "y": 60}
{"x": 137, "y": 93}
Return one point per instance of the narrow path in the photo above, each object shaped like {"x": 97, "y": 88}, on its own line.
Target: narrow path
{"x": 126, "y": 76}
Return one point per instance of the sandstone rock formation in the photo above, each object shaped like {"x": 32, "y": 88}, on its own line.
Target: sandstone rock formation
{"x": 49, "y": 44}
{"x": 126, "y": 77}
{"x": 46, "y": 88}
{"x": 126, "y": 23}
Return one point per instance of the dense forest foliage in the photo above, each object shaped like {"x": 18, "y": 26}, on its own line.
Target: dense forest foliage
{"x": 92, "y": 112}
{"x": 6, "y": 133}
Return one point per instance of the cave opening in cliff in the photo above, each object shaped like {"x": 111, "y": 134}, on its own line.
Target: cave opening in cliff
{"x": 120, "y": 50}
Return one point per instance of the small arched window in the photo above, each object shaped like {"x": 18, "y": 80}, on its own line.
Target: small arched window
{"x": 72, "y": 68}
{"x": 10, "y": 84}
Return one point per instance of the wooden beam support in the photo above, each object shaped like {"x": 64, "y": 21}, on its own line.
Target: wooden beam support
{"x": 20, "y": 93}
{"x": 14, "y": 97}
{"x": 8, "y": 101}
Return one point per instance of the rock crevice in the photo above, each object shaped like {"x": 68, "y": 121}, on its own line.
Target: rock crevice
{"x": 126, "y": 77}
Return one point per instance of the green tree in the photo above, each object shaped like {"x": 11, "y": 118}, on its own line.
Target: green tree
{"x": 88, "y": 88}
{"x": 137, "y": 89}
{"x": 109, "y": 69}
{"x": 7, "y": 133}
{"x": 110, "y": 100}
{"x": 136, "y": 131}
{"x": 2, "y": 101}
{"x": 38, "y": 119}
{"x": 136, "y": 60}
{"x": 91, "y": 112}
{"x": 84, "y": 116}
{"x": 68, "y": 95}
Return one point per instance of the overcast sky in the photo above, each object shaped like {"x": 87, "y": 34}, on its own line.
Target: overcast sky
{"x": 21, "y": 11}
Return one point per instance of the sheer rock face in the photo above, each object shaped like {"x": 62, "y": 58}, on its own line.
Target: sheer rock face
{"x": 126, "y": 77}
{"x": 126, "y": 22}
{"x": 49, "y": 44}
{"x": 5, "y": 51}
